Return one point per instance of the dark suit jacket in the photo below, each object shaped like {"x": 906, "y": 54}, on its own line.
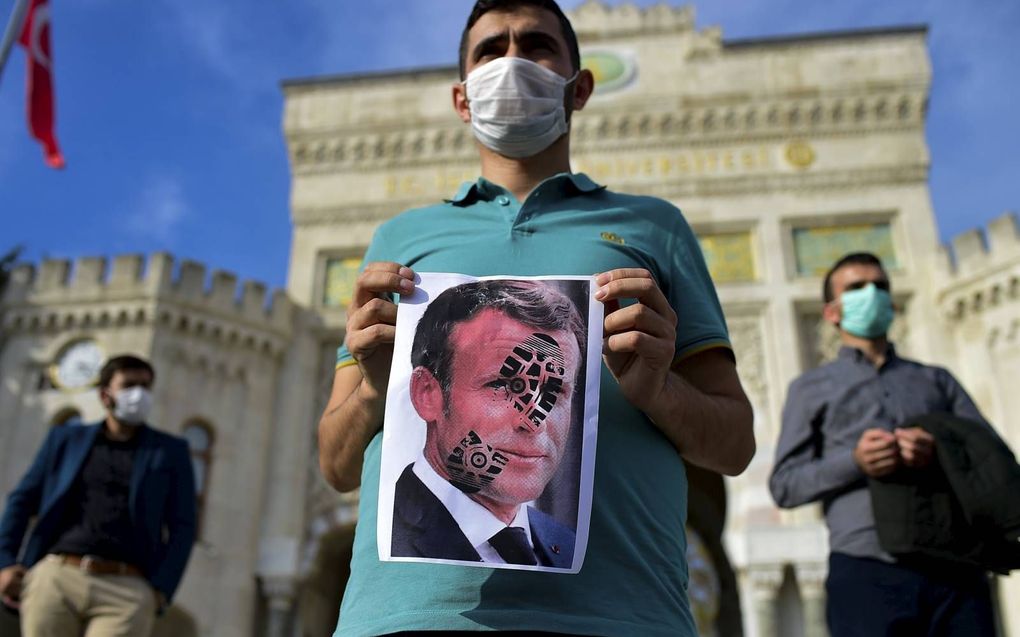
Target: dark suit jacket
{"x": 962, "y": 508}
{"x": 422, "y": 527}
{"x": 162, "y": 498}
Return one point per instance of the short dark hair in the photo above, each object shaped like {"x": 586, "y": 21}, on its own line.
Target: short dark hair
{"x": 530, "y": 302}
{"x": 485, "y": 6}
{"x": 123, "y": 363}
{"x": 854, "y": 258}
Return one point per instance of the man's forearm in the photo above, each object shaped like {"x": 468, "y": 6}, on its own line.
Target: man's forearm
{"x": 712, "y": 431}
{"x": 344, "y": 433}
{"x": 798, "y": 480}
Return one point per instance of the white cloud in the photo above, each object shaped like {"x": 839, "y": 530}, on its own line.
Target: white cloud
{"x": 159, "y": 210}
{"x": 220, "y": 37}
{"x": 395, "y": 33}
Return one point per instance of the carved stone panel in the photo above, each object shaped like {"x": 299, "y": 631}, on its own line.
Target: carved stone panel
{"x": 747, "y": 335}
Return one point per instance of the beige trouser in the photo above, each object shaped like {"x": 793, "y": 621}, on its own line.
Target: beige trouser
{"x": 59, "y": 600}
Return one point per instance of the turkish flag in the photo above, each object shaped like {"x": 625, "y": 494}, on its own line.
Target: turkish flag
{"x": 35, "y": 37}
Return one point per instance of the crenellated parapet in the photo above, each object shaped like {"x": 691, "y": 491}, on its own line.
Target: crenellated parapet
{"x": 981, "y": 272}
{"x": 95, "y": 292}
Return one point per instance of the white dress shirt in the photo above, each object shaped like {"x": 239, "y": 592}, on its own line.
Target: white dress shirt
{"x": 474, "y": 520}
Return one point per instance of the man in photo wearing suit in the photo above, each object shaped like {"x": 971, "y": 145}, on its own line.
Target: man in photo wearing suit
{"x": 114, "y": 504}
{"x": 495, "y": 367}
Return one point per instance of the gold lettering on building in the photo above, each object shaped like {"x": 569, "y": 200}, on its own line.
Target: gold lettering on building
{"x": 691, "y": 163}
{"x": 650, "y": 167}
{"x": 441, "y": 184}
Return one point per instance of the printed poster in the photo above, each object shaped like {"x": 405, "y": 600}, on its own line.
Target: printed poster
{"x": 491, "y": 420}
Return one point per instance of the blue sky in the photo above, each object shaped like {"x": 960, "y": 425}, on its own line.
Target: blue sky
{"x": 169, "y": 112}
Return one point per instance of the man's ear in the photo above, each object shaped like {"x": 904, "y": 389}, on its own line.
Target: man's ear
{"x": 105, "y": 397}
{"x": 426, "y": 394}
{"x": 460, "y": 102}
{"x": 584, "y": 86}
{"x": 832, "y": 312}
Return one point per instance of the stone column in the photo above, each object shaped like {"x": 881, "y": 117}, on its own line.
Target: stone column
{"x": 765, "y": 584}
{"x": 811, "y": 579}
{"x": 280, "y": 593}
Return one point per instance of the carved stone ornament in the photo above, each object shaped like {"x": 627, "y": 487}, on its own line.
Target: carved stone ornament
{"x": 747, "y": 337}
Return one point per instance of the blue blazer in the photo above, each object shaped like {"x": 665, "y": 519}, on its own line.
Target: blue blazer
{"x": 422, "y": 527}
{"x": 161, "y": 499}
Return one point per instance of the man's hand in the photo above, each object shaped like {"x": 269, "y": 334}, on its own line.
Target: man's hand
{"x": 10, "y": 584}
{"x": 915, "y": 446}
{"x": 639, "y": 340}
{"x": 371, "y": 321}
{"x": 354, "y": 412}
{"x": 877, "y": 453}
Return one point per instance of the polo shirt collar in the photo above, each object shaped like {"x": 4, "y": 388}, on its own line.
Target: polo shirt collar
{"x": 485, "y": 190}
{"x": 584, "y": 183}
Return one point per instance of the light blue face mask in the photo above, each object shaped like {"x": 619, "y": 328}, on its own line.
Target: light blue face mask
{"x": 867, "y": 312}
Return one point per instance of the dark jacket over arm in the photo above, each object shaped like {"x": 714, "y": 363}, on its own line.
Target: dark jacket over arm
{"x": 964, "y": 507}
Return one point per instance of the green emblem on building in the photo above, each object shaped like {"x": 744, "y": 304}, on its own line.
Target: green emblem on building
{"x": 612, "y": 70}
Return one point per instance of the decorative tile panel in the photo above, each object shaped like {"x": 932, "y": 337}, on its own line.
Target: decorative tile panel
{"x": 730, "y": 256}
{"x": 816, "y": 249}
{"x": 341, "y": 274}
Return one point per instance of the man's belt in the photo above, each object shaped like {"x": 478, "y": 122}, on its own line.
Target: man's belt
{"x": 98, "y": 566}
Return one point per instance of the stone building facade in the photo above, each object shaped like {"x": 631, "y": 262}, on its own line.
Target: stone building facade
{"x": 783, "y": 154}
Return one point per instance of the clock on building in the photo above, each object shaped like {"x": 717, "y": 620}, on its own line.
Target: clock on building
{"x": 78, "y": 366}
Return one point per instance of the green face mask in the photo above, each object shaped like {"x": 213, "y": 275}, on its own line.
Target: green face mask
{"x": 867, "y": 312}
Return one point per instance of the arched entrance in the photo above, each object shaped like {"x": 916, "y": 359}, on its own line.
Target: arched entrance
{"x": 706, "y": 516}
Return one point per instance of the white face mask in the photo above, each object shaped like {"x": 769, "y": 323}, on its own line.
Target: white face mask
{"x": 516, "y": 106}
{"x": 132, "y": 405}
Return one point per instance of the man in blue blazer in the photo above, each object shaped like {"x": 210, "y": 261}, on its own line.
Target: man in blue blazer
{"x": 114, "y": 504}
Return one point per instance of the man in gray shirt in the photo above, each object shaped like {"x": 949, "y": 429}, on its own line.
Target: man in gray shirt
{"x": 845, "y": 421}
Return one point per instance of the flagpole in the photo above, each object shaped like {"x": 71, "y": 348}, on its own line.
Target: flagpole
{"x": 12, "y": 31}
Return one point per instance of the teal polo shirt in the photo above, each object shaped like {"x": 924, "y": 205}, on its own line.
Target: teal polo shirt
{"x": 634, "y": 577}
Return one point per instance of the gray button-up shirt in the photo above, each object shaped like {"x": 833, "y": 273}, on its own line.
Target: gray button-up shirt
{"x": 827, "y": 409}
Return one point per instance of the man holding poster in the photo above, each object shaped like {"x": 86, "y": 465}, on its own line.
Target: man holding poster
{"x": 669, "y": 389}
